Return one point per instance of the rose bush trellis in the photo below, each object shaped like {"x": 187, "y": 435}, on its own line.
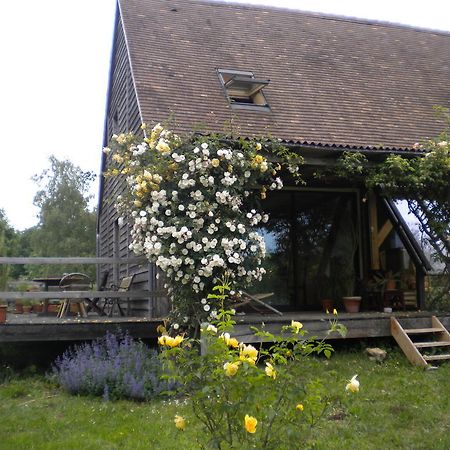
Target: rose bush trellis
{"x": 195, "y": 207}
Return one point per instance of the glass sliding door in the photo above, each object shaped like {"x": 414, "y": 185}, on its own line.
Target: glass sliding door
{"x": 312, "y": 241}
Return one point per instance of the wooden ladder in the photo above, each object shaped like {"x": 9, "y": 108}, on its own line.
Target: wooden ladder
{"x": 412, "y": 348}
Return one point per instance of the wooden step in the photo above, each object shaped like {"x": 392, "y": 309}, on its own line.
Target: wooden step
{"x": 422, "y": 330}
{"x": 431, "y": 344}
{"x": 436, "y": 357}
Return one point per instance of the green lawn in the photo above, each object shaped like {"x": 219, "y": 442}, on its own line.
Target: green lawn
{"x": 398, "y": 406}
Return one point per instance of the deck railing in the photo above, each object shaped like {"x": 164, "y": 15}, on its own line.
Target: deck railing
{"x": 150, "y": 294}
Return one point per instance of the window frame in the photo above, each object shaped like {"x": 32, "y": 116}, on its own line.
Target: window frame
{"x": 226, "y": 76}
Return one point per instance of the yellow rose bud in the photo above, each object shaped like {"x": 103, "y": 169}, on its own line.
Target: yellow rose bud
{"x": 180, "y": 422}
{"x": 353, "y": 385}
{"x": 335, "y": 312}
{"x": 299, "y": 407}
{"x": 270, "y": 371}
{"x": 137, "y": 203}
{"x": 258, "y": 146}
{"x": 250, "y": 423}
{"x": 297, "y": 326}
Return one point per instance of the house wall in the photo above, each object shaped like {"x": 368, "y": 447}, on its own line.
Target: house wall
{"x": 123, "y": 115}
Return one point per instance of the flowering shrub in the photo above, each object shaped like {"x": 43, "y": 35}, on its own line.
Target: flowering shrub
{"x": 244, "y": 396}
{"x": 195, "y": 208}
{"x": 114, "y": 367}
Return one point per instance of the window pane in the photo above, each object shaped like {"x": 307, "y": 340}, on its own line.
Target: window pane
{"x": 312, "y": 242}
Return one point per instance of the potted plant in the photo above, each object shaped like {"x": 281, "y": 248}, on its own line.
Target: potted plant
{"x": 26, "y": 305}
{"x": 325, "y": 292}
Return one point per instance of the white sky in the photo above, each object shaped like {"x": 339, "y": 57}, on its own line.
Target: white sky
{"x": 53, "y": 80}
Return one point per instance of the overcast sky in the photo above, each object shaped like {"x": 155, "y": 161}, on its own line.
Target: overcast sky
{"x": 54, "y": 72}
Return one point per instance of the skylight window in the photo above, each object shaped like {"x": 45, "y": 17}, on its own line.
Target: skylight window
{"x": 243, "y": 90}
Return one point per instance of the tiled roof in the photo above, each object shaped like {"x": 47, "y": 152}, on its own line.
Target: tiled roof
{"x": 333, "y": 81}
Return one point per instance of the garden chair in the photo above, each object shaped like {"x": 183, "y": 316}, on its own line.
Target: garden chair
{"x": 74, "y": 282}
{"x": 94, "y": 304}
{"x": 255, "y": 302}
{"x": 111, "y": 304}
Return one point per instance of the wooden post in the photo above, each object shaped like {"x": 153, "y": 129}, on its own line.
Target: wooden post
{"x": 151, "y": 287}
{"x": 373, "y": 226}
{"x": 116, "y": 253}
{"x": 420, "y": 289}
{"x": 377, "y": 235}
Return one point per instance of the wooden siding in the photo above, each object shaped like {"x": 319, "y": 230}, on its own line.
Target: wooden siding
{"x": 123, "y": 115}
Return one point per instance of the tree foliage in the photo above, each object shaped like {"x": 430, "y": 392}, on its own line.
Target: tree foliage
{"x": 9, "y": 244}
{"x": 66, "y": 225}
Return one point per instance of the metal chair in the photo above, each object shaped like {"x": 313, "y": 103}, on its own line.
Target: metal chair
{"x": 74, "y": 282}
{"x": 112, "y": 303}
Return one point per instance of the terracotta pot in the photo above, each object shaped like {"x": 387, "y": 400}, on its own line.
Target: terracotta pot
{"x": 19, "y": 308}
{"x": 52, "y": 308}
{"x": 37, "y": 309}
{"x": 26, "y": 309}
{"x": 352, "y": 304}
{"x": 327, "y": 305}
{"x": 2, "y": 313}
{"x": 391, "y": 285}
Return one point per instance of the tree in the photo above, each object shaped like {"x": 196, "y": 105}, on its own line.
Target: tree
{"x": 66, "y": 225}
{"x": 8, "y": 244}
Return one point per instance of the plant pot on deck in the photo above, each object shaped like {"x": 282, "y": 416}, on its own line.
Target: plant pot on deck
{"x": 352, "y": 304}
{"x": 3, "y": 313}
{"x": 327, "y": 304}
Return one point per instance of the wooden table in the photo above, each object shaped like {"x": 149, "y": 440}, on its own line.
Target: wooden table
{"x": 48, "y": 282}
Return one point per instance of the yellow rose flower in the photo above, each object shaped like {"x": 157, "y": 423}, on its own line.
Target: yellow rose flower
{"x": 180, "y": 422}
{"x": 147, "y": 175}
{"x": 232, "y": 342}
{"x": 162, "y": 340}
{"x": 250, "y": 423}
{"x": 299, "y": 407}
{"x": 157, "y": 128}
{"x": 270, "y": 371}
{"x": 215, "y": 162}
{"x": 296, "y": 326}
{"x": 353, "y": 385}
{"x": 170, "y": 341}
{"x": 248, "y": 353}
{"x": 231, "y": 368}
{"x": 163, "y": 146}
{"x": 258, "y": 159}
{"x": 258, "y": 146}
{"x": 117, "y": 158}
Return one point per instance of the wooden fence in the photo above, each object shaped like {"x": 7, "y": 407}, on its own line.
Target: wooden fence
{"x": 150, "y": 294}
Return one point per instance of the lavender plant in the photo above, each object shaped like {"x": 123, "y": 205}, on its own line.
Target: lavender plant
{"x": 113, "y": 367}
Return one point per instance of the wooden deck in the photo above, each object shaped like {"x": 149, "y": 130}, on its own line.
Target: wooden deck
{"x": 31, "y": 327}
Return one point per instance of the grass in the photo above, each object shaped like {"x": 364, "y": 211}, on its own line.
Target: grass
{"x": 398, "y": 406}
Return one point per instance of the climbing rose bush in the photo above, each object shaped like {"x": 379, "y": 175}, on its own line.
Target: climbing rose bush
{"x": 195, "y": 208}
{"x": 248, "y": 395}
